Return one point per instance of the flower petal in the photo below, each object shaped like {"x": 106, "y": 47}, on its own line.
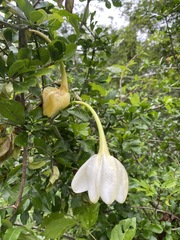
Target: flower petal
{"x": 109, "y": 179}
{"x": 80, "y": 181}
{"x": 123, "y": 183}
{"x": 85, "y": 179}
{"x": 93, "y": 173}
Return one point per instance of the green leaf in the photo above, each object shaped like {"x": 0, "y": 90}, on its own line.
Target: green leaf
{"x": 13, "y": 174}
{"x": 170, "y": 183}
{"x": 21, "y": 87}
{"x": 12, "y": 234}
{"x": 15, "y": 10}
{"x": 24, "y": 53}
{"x": 157, "y": 228}
{"x": 79, "y": 113}
{"x": 8, "y": 34}
{"x": 43, "y": 55}
{"x": 56, "y": 49}
{"x": 87, "y": 215}
{"x": 43, "y": 71}
{"x": 55, "y": 16}
{"x": 23, "y": 205}
{"x": 99, "y": 88}
{"x": 2, "y": 67}
{"x": 117, "y": 3}
{"x": 72, "y": 38}
{"x": 134, "y": 98}
{"x": 25, "y": 6}
{"x": 75, "y": 23}
{"x": 150, "y": 190}
{"x": 108, "y": 4}
{"x": 21, "y": 139}
{"x": 80, "y": 129}
{"x": 36, "y": 165}
{"x": 70, "y": 51}
{"x": 40, "y": 145}
{"x": 15, "y": 67}
{"x": 12, "y": 110}
{"x": 125, "y": 230}
{"x": 56, "y": 224}
{"x": 11, "y": 59}
{"x": 38, "y": 16}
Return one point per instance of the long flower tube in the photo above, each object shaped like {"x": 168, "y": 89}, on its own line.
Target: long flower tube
{"x": 54, "y": 99}
{"x": 101, "y": 175}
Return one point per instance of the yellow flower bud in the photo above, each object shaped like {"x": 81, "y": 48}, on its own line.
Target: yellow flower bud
{"x": 54, "y": 100}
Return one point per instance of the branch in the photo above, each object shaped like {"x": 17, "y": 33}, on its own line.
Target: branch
{"x": 36, "y": 3}
{"x": 158, "y": 210}
{"x": 13, "y": 26}
{"x": 10, "y": 206}
{"x": 23, "y": 180}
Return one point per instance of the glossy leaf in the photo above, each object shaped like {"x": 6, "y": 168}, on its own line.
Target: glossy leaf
{"x": 12, "y": 110}
{"x": 126, "y": 229}
{"x": 25, "y": 6}
{"x": 87, "y": 215}
{"x": 56, "y": 224}
{"x": 15, "y": 67}
{"x": 12, "y": 234}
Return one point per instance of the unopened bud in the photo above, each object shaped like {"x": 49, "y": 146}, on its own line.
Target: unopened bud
{"x": 54, "y": 100}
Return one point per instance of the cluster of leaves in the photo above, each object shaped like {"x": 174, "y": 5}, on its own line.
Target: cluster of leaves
{"x": 137, "y": 100}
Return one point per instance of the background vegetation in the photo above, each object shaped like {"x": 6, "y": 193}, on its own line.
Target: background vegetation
{"x": 133, "y": 84}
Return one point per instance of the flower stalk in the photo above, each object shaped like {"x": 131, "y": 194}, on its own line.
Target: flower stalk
{"x": 103, "y": 148}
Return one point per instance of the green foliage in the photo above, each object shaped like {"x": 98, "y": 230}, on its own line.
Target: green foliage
{"x": 132, "y": 83}
{"x": 126, "y": 229}
{"x": 56, "y": 224}
{"x": 12, "y": 110}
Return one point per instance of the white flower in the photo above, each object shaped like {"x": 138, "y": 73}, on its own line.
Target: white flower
{"x": 102, "y": 176}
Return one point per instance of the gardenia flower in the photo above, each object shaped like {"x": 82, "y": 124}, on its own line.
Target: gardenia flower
{"x": 101, "y": 175}
{"x": 55, "y": 99}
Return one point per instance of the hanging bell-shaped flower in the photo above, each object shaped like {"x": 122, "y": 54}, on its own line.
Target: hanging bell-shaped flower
{"x": 101, "y": 175}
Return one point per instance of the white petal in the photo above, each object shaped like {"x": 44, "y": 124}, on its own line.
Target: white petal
{"x": 109, "y": 179}
{"x": 93, "y": 176}
{"x": 123, "y": 183}
{"x": 80, "y": 181}
{"x": 86, "y": 177}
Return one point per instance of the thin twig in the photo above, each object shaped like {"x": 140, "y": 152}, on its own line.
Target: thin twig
{"x": 23, "y": 180}
{"x": 10, "y": 206}
{"x": 36, "y": 3}
{"x": 157, "y": 210}
{"x": 13, "y": 26}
